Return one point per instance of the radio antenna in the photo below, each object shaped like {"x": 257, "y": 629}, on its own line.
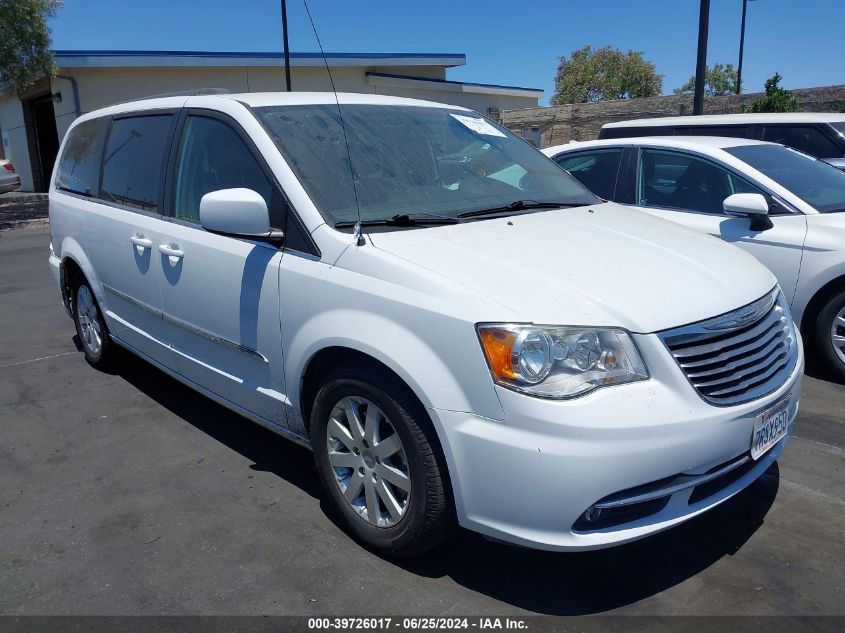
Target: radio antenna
{"x": 359, "y": 238}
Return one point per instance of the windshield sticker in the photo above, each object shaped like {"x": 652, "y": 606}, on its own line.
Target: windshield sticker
{"x": 480, "y": 126}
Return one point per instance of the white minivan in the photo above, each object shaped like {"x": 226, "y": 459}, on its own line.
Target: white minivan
{"x": 458, "y": 329}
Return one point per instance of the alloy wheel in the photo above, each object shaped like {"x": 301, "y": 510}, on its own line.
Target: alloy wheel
{"x": 837, "y": 335}
{"x": 89, "y": 322}
{"x": 368, "y": 461}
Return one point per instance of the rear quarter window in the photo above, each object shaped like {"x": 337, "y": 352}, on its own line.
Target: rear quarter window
{"x": 805, "y": 138}
{"x": 134, "y": 159}
{"x": 79, "y": 167}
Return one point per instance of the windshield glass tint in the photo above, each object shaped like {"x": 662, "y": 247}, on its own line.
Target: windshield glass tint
{"x": 409, "y": 159}
{"x": 814, "y": 181}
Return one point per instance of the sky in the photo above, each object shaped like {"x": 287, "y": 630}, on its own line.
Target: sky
{"x": 511, "y": 43}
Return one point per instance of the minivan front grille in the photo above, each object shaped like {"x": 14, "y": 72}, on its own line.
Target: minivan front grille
{"x": 739, "y": 356}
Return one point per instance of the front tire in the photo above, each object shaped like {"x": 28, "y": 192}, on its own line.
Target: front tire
{"x": 91, "y": 328}
{"x": 829, "y": 335}
{"x": 380, "y": 463}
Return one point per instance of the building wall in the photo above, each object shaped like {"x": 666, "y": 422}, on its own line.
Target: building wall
{"x": 18, "y": 146}
{"x": 482, "y": 103}
{"x": 556, "y": 125}
{"x": 101, "y": 87}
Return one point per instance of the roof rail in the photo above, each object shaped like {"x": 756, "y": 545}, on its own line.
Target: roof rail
{"x": 184, "y": 93}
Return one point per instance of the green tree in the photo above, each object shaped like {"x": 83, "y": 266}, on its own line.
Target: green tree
{"x": 718, "y": 80}
{"x": 776, "y": 99}
{"x": 25, "y": 47}
{"x": 598, "y": 74}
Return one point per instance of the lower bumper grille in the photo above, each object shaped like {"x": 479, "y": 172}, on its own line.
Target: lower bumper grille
{"x": 643, "y": 501}
{"x": 739, "y": 356}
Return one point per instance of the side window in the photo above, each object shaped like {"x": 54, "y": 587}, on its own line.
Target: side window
{"x": 212, "y": 156}
{"x": 806, "y": 138}
{"x": 79, "y": 166}
{"x": 596, "y": 170}
{"x": 680, "y": 181}
{"x": 740, "y": 185}
{"x": 133, "y": 161}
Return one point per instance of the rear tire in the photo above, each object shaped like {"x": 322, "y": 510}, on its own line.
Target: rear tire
{"x": 829, "y": 335}
{"x": 100, "y": 352}
{"x": 388, "y": 479}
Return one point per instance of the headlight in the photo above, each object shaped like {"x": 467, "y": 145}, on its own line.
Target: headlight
{"x": 560, "y": 362}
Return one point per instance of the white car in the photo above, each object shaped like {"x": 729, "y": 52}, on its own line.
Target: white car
{"x": 819, "y": 134}
{"x": 9, "y": 179}
{"x": 458, "y": 329}
{"x": 782, "y": 206}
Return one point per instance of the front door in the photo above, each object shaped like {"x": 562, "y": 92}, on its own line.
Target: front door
{"x": 689, "y": 189}
{"x": 221, "y": 294}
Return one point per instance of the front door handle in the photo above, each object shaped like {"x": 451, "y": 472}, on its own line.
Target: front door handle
{"x": 171, "y": 250}
{"x": 140, "y": 241}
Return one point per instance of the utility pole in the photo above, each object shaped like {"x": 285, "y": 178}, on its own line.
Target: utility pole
{"x": 285, "y": 42}
{"x": 741, "y": 48}
{"x": 701, "y": 63}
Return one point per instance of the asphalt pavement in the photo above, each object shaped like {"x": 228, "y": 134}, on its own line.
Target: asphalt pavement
{"x": 131, "y": 494}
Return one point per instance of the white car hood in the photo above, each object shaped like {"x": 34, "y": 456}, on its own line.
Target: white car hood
{"x": 604, "y": 265}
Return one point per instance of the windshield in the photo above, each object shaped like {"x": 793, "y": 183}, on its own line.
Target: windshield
{"x": 839, "y": 126}
{"x": 814, "y": 181}
{"x": 412, "y": 160}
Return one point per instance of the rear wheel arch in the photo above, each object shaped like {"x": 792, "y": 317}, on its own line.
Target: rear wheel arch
{"x": 71, "y": 270}
{"x": 75, "y": 260}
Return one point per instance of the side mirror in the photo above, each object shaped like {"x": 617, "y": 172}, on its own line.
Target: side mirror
{"x": 237, "y": 212}
{"x": 749, "y": 205}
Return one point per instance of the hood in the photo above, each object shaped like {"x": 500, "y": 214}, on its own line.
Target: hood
{"x": 604, "y": 265}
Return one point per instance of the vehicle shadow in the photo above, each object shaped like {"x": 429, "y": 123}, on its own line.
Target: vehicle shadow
{"x": 268, "y": 451}
{"x": 545, "y": 582}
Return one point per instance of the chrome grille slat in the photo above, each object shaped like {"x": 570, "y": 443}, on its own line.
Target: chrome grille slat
{"x": 739, "y": 356}
{"x": 767, "y": 338}
{"x": 725, "y": 368}
{"x": 742, "y": 337}
{"x": 770, "y": 368}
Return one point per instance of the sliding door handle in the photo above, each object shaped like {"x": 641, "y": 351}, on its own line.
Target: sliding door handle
{"x": 140, "y": 241}
{"x": 171, "y": 250}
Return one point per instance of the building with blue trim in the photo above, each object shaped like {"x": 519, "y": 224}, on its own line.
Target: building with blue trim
{"x": 32, "y": 126}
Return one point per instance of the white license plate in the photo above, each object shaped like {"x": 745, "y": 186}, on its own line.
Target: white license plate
{"x": 769, "y": 427}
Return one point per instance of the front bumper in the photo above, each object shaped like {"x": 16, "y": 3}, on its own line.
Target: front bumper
{"x": 529, "y": 478}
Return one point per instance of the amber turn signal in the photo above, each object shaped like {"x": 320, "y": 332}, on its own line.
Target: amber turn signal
{"x": 498, "y": 347}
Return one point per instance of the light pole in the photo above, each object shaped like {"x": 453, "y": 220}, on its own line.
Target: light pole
{"x": 701, "y": 62}
{"x": 285, "y": 43}
{"x": 741, "y": 48}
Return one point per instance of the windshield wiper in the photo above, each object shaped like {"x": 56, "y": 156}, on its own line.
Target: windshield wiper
{"x": 521, "y": 205}
{"x": 401, "y": 219}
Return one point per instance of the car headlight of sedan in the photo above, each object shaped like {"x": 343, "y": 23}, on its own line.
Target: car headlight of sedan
{"x": 559, "y": 362}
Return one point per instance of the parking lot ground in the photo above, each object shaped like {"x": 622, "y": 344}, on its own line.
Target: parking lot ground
{"x": 131, "y": 494}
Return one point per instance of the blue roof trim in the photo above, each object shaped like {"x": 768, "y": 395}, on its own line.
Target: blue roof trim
{"x": 455, "y": 83}
{"x": 247, "y": 55}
